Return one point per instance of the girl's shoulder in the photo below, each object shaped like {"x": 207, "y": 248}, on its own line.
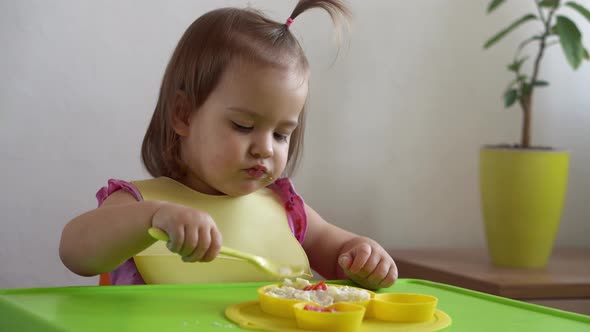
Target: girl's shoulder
{"x": 114, "y": 185}
{"x": 284, "y": 188}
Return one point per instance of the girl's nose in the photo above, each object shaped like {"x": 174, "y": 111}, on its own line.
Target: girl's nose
{"x": 261, "y": 147}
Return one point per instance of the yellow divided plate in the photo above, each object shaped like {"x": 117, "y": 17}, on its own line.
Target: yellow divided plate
{"x": 345, "y": 317}
{"x": 282, "y": 307}
{"x": 249, "y": 315}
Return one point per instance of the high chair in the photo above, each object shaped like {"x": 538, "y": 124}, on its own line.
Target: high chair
{"x": 104, "y": 279}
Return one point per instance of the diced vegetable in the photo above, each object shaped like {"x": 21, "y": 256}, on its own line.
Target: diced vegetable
{"x": 319, "y": 286}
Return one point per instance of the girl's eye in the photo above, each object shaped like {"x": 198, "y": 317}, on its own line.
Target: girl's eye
{"x": 241, "y": 128}
{"x": 245, "y": 129}
{"x": 281, "y": 137}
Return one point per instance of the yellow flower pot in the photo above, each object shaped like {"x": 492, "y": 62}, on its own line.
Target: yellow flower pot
{"x": 522, "y": 192}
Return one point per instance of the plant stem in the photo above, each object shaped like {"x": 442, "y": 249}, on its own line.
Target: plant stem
{"x": 526, "y": 101}
{"x": 540, "y": 10}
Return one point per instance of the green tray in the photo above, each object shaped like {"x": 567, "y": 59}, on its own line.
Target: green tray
{"x": 164, "y": 308}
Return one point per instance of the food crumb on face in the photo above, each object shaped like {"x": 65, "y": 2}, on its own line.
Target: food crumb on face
{"x": 319, "y": 293}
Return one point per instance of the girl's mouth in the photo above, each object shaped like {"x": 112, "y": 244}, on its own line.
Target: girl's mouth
{"x": 256, "y": 172}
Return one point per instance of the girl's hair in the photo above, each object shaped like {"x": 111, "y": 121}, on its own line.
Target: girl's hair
{"x": 202, "y": 55}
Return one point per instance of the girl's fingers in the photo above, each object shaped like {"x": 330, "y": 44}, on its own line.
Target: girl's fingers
{"x": 390, "y": 278}
{"x": 379, "y": 273}
{"x": 360, "y": 255}
{"x": 372, "y": 263}
{"x": 204, "y": 243}
{"x": 191, "y": 239}
{"x": 176, "y": 239}
{"x": 214, "y": 247}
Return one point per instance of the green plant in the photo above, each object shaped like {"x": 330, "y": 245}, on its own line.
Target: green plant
{"x": 556, "y": 29}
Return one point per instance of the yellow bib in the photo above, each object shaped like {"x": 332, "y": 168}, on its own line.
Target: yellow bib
{"x": 254, "y": 223}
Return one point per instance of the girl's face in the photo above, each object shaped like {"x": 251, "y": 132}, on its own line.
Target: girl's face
{"x": 237, "y": 142}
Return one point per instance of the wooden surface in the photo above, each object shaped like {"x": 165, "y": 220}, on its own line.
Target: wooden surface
{"x": 580, "y": 306}
{"x": 566, "y": 277}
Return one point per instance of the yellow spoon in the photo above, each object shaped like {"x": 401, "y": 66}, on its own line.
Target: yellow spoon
{"x": 272, "y": 268}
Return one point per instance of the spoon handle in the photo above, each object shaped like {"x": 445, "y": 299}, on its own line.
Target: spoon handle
{"x": 158, "y": 234}
{"x": 237, "y": 254}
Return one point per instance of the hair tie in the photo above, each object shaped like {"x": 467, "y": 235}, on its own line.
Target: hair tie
{"x": 289, "y": 22}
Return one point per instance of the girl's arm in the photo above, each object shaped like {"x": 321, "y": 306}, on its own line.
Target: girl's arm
{"x": 100, "y": 240}
{"x": 337, "y": 254}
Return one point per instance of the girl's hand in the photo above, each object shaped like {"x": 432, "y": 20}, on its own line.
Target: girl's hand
{"x": 367, "y": 263}
{"x": 193, "y": 233}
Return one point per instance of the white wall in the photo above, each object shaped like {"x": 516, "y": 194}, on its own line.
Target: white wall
{"x": 392, "y": 138}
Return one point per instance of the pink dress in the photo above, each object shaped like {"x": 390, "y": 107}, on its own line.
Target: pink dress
{"x": 127, "y": 273}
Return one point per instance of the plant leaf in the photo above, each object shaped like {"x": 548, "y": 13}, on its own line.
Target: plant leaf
{"x": 507, "y": 30}
{"x": 580, "y": 9}
{"x": 494, "y": 4}
{"x": 515, "y": 66}
{"x": 540, "y": 83}
{"x": 510, "y": 97}
{"x": 549, "y": 3}
{"x": 586, "y": 55}
{"x": 570, "y": 39}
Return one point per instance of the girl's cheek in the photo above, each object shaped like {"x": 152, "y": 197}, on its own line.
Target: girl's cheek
{"x": 225, "y": 157}
{"x": 219, "y": 160}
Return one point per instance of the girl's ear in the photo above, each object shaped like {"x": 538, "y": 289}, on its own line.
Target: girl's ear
{"x": 181, "y": 113}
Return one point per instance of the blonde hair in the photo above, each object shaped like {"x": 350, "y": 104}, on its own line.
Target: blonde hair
{"x": 202, "y": 55}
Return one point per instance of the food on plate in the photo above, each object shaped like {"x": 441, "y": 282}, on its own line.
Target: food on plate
{"x": 318, "y": 293}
